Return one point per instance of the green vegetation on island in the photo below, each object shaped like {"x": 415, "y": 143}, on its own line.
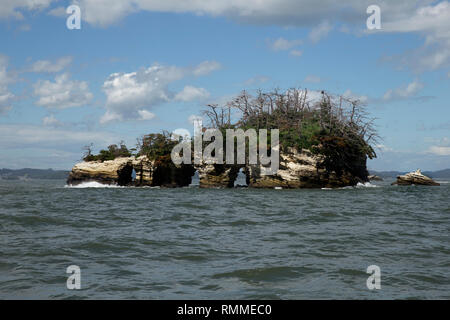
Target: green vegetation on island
{"x": 336, "y": 127}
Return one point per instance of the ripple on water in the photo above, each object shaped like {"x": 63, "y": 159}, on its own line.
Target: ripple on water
{"x": 223, "y": 244}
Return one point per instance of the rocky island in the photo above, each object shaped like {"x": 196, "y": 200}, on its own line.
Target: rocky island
{"x": 415, "y": 178}
{"x": 323, "y": 143}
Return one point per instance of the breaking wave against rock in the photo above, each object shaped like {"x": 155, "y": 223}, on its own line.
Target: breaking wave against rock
{"x": 93, "y": 184}
{"x": 366, "y": 185}
{"x": 358, "y": 186}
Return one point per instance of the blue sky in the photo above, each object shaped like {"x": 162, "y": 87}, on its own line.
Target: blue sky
{"x": 141, "y": 66}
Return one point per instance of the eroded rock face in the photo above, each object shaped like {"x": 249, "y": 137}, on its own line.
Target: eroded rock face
{"x": 297, "y": 170}
{"x": 217, "y": 175}
{"x": 416, "y": 178}
{"x": 301, "y": 170}
{"x": 119, "y": 171}
{"x": 172, "y": 176}
{"x": 144, "y": 171}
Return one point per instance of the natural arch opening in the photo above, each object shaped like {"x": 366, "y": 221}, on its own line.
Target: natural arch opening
{"x": 162, "y": 176}
{"x": 171, "y": 176}
{"x": 241, "y": 179}
{"x": 195, "y": 181}
{"x": 125, "y": 176}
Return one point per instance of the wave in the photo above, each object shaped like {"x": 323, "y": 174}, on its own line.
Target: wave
{"x": 359, "y": 185}
{"x": 366, "y": 185}
{"x": 92, "y": 184}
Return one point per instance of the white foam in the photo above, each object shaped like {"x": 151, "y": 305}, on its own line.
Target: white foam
{"x": 358, "y": 185}
{"x": 366, "y": 185}
{"x": 92, "y": 184}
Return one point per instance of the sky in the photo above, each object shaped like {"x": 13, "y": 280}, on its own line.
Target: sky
{"x": 142, "y": 66}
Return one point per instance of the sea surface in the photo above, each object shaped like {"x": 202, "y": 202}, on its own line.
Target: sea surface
{"x": 191, "y": 243}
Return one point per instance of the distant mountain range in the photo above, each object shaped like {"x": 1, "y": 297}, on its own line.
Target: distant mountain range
{"x": 9, "y": 174}
{"x": 23, "y": 174}
{"x": 441, "y": 174}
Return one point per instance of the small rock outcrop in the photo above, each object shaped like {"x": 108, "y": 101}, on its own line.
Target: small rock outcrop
{"x": 117, "y": 171}
{"x": 415, "y": 178}
{"x": 301, "y": 169}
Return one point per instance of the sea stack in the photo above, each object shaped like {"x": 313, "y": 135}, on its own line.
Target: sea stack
{"x": 415, "y": 178}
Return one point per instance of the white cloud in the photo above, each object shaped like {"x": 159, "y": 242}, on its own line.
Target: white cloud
{"x": 34, "y": 146}
{"x": 111, "y": 116}
{"x": 426, "y": 17}
{"x": 6, "y": 78}
{"x": 282, "y": 44}
{"x": 13, "y": 8}
{"x": 191, "y": 93}
{"x": 62, "y": 93}
{"x": 440, "y": 151}
{"x": 145, "y": 115}
{"x": 106, "y": 12}
{"x": 440, "y": 147}
{"x": 432, "y": 21}
{"x": 320, "y": 31}
{"x": 58, "y": 12}
{"x": 205, "y": 68}
{"x": 49, "y": 66}
{"x": 22, "y": 135}
{"x": 51, "y": 121}
{"x": 266, "y": 12}
{"x": 404, "y": 92}
{"x": 128, "y": 94}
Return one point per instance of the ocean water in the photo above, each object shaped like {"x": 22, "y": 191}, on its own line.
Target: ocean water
{"x": 191, "y": 243}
